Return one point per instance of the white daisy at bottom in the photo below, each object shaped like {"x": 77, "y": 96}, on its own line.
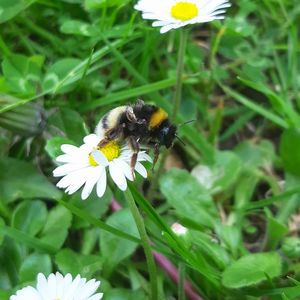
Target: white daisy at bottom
{"x": 59, "y": 287}
{"x": 86, "y": 166}
{"x": 172, "y": 14}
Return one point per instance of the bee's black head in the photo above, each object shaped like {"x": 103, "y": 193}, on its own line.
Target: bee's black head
{"x": 167, "y": 135}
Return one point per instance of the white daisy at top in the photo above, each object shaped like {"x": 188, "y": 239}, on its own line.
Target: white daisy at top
{"x": 86, "y": 166}
{"x": 172, "y": 14}
{"x": 59, "y": 287}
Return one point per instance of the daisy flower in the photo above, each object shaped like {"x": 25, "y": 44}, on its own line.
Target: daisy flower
{"x": 59, "y": 287}
{"x": 172, "y": 14}
{"x": 86, "y": 166}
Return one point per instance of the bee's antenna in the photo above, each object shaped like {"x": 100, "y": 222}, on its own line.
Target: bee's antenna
{"x": 187, "y": 122}
{"x": 180, "y": 140}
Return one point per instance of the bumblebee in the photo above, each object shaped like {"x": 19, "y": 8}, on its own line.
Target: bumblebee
{"x": 137, "y": 124}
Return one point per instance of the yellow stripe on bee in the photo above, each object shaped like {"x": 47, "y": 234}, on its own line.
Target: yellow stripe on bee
{"x": 157, "y": 118}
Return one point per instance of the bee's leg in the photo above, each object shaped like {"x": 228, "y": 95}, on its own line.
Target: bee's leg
{"x": 156, "y": 155}
{"x": 111, "y": 135}
{"x": 134, "y": 145}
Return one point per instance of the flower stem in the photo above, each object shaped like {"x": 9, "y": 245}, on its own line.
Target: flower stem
{"x": 145, "y": 243}
{"x": 176, "y": 104}
{"x": 180, "y": 65}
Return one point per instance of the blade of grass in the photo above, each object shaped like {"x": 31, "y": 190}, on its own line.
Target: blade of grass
{"x": 255, "y": 107}
{"x": 271, "y": 200}
{"x": 132, "y": 93}
{"x": 24, "y": 238}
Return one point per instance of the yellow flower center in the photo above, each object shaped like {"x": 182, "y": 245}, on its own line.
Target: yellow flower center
{"x": 184, "y": 11}
{"x": 111, "y": 151}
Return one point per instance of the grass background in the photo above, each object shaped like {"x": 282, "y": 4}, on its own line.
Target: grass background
{"x": 65, "y": 63}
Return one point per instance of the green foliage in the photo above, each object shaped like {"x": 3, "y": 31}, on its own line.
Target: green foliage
{"x": 252, "y": 269}
{"x": 188, "y": 197}
{"x": 64, "y": 63}
{"x": 22, "y": 180}
{"x": 113, "y": 249}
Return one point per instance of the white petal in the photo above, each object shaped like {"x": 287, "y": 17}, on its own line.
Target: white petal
{"x": 92, "y": 179}
{"x": 69, "y": 149}
{"x": 141, "y": 169}
{"x": 101, "y": 184}
{"x": 97, "y": 296}
{"x": 88, "y": 289}
{"x": 42, "y": 285}
{"x": 59, "y": 285}
{"x": 126, "y": 169}
{"x": 75, "y": 180}
{"x": 142, "y": 156}
{"x": 52, "y": 286}
{"x": 26, "y": 293}
{"x": 117, "y": 175}
{"x": 100, "y": 158}
{"x": 91, "y": 140}
{"x": 67, "y": 168}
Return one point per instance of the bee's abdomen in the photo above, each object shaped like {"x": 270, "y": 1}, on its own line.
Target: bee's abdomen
{"x": 110, "y": 120}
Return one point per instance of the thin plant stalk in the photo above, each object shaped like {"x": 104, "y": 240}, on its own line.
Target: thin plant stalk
{"x": 176, "y": 103}
{"x": 180, "y": 66}
{"x": 145, "y": 243}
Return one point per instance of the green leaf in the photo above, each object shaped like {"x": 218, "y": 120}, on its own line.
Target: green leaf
{"x": 22, "y": 180}
{"x": 57, "y": 72}
{"x": 22, "y": 73}
{"x": 34, "y": 264}
{"x": 30, "y": 216}
{"x": 256, "y": 154}
{"x": 10, "y": 8}
{"x": 56, "y": 228}
{"x": 252, "y": 269}
{"x": 227, "y": 169}
{"x": 69, "y": 261}
{"x": 291, "y": 247}
{"x": 188, "y": 197}
{"x": 96, "y": 4}
{"x": 98, "y": 223}
{"x": 79, "y": 28}
{"x": 123, "y": 294}
{"x": 10, "y": 261}
{"x": 53, "y": 146}
{"x": 289, "y": 146}
{"x": 1, "y": 233}
{"x": 275, "y": 231}
{"x": 93, "y": 205}
{"x": 70, "y": 123}
{"x": 114, "y": 249}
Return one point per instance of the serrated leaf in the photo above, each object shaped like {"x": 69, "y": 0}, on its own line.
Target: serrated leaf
{"x": 252, "y": 269}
